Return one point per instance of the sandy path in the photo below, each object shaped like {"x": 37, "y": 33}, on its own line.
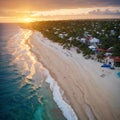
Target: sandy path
{"x": 87, "y": 92}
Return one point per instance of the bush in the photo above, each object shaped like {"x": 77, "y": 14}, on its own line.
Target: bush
{"x": 78, "y": 50}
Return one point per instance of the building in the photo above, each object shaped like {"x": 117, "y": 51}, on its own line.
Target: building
{"x": 117, "y": 61}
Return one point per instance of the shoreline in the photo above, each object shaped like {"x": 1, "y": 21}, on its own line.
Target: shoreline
{"x": 87, "y": 108}
{"x": 50, "y": 79}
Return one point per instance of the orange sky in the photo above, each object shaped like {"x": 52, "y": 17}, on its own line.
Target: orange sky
{"x": 35, "y": 10}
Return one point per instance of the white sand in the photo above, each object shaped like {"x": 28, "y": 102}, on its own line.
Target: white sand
{"x": 92, "y": 91}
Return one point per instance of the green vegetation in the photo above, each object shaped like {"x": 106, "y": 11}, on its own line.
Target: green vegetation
{"x": 69, "y": 33}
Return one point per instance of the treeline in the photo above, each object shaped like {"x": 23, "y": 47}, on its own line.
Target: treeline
{"x": 108, "y": 31}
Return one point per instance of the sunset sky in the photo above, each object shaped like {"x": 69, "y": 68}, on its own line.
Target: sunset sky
{"x": 35, "y": 10}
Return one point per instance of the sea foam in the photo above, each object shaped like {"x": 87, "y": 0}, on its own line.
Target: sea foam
{"x": 66, "y": 109}
{"x": 26, "y": 58}
{"x": 58, "y": 98}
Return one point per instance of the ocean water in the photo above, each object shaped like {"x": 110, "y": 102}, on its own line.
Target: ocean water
{"x": 118, "y": 74}
{"x": 24, "y": 94}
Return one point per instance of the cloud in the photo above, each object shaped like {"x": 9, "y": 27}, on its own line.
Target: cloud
{"x": 105, "y": 12}
{"x": 58, "y": 8}
{"x": 15, "y": 13}
{"x": 55, "y": 4}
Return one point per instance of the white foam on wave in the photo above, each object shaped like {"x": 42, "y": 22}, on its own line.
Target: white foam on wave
{"x": 36, "y": 71}
{"x": 67, "y": 110}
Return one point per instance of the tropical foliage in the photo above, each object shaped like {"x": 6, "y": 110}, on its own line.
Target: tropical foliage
{"x": 69, "y": 33}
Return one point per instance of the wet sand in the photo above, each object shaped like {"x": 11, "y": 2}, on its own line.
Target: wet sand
{"x": 92, "y": 92}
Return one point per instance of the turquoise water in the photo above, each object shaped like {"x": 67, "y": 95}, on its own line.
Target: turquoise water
{"x": 20, "y": 101}
{"x": 118, "y": 74}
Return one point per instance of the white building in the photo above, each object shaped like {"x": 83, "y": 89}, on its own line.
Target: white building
{"x": 94, "y": 41}
{"x": 83, "y": 40}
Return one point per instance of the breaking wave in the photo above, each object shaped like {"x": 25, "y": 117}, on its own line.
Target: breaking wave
{"x": 27, "y": 63}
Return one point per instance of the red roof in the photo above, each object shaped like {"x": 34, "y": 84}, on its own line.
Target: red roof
{"x": 110, "y": 49}
{"x": 100, "y": 49}
{"x": 117, "y": 59}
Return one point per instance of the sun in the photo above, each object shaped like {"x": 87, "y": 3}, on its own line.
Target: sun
{"x": 27, "y": 20}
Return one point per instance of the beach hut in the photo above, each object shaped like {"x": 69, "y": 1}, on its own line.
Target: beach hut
{"x": 61, "y": 36}
{"x": 117, "y": 61}
{"x": 94, "y": 41}
{"x": 70, "y": 38}
{"x": 108, "y": 54}
{"x": 93, "y": 48}
{"x": 119, "y": 37}
{"x": 86, "y": 34}
{"x": 110, "y": 49}
{"x": 83, "y": 40}
{"x": 100, "y": 50}
{"x": 108, "y": 63}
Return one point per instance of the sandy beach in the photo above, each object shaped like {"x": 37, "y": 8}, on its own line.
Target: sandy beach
{"x": 92, "y": 91}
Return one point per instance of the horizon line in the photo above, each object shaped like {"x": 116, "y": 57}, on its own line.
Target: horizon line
{"x": 64, "y": 20}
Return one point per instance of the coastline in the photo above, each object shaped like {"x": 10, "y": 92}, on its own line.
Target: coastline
{"x": 58, "y": 94}
{"x": 32, "y": 81}
{"x": 85, "y": 93}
